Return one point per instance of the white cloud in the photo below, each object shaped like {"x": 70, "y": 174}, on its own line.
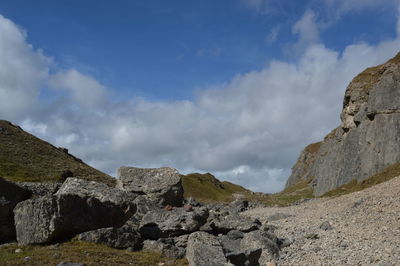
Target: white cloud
{"x": 307, "y": 30}
{"x": 22, "y": 69}
{"x": 248, "y": 131}
{"x": 84, "y": 90}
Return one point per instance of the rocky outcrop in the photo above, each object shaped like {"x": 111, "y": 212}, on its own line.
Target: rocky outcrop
{"x": 126, "y": 236}
{"x": 77, "y": 207}
{"x": 204, "y": 249}
{"x": 163, "y": 184}
{"x": 10, "y": 195}
{"x": 163, "y": 223}
{"x": 368, "y": 140}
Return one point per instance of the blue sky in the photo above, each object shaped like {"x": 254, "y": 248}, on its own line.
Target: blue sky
{"x": 208, "y": 86}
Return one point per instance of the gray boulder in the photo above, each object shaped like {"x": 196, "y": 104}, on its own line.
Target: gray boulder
{"x": 40, "y": 189}
{"x": 77, "y": 207}
{"x": 166, "y": 247}
{"x": 236, "y": 254}
{"x": 10, "y": 195}
{"x": 224, "y": 224}
{"x": 268, "y": 242}
{"x": 163, "y": 184}
{"x": 162, "y": 223}
{"x": 126, "y": 236}
{"x": 204, "y": 249}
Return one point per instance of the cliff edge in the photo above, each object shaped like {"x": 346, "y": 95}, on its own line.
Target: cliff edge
{"x": 368, "y": 139}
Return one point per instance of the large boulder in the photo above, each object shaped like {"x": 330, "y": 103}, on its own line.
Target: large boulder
{"x": 163, "y": 184}
{"x": 164, "y": 246}
{"x": 204, "y": 249}
{"x": 268, "y": 242}
{"x": 10, "y": 195}
{"x": 122, "y": 237}
{"x": 224, "y": 224}
{"x": 162, "y": 223}
{"x": 40, "y": 189}
{"x": 77, "y": 207}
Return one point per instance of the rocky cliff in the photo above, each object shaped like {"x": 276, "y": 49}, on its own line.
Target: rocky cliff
{"x": 368, "y": 139}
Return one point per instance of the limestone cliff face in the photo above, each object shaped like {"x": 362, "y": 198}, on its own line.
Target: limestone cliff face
{"x": 368, "y": 140}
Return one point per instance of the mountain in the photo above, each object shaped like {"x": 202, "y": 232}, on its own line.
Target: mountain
{"x": 368, "y": 139}
{"x": 24, "y": 157}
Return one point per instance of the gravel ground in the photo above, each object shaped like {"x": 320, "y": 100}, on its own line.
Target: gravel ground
{"x": 361, "y": 228}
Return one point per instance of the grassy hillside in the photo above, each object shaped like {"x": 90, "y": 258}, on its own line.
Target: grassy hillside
{"x": 24, "y": 157}
{"x": 206, "y": 188}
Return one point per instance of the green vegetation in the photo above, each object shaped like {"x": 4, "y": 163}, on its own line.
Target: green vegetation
{"x": 353, "y": 186}
{"x": 206, "y": 188}
{"x": 82, "y": 252}
{"x": 24, "y": 157}
{"x": 300, "y": 190}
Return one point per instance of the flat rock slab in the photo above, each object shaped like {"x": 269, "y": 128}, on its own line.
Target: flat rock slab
{"x": 164, "y": 184}
{"x": 204, "y": 249}
{"x": 123, "y": 237}
{"x": 224, "y": 224}
{"x": 162, "y": 223}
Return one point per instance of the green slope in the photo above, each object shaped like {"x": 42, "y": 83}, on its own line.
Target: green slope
{"x": 24, "y": 157}
{"x": 206, "y": 188}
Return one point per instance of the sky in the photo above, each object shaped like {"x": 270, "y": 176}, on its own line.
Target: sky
{"x": 236, "y": 88}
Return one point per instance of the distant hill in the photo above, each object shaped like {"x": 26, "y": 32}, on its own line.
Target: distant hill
{"x": 24, "y": 157}
{"x": 206, "y": 188}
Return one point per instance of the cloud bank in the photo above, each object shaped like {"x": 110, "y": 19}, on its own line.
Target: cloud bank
{"x": 249, "y": 130}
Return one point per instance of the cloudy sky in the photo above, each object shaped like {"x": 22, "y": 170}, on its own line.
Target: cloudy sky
{"x": 232, "y": 87}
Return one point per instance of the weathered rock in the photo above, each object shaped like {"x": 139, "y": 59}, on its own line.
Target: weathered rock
{"x": 368, "y": 139}
{"x": 278, "y": 216}
{"x": 144, "y": 205}
{"x": 64, "y": 263}
{"x": 163, "y": 184}
{"x": 161, "y": 223}
{"x": 102, "y": 192}
{"x": 77, "y": 207}
{"x": 239, "y": 205}
{"x": 204, "y": 249}
{"x": 247, "y": 257}
{"x": 325, "y": 226}
{"x": 10, "y": 195}
{"x": 41, "y": 189}
{"x": 164, "y": 246}
{"x": 264, "y": 240}
{"x": 238, "y": 222}
{"x": 126, "y": 236}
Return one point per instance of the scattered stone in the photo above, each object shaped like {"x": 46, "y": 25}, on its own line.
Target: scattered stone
{"x": 204, "y": 249}
{"x": 123, "y": 237}
{"x": 264, "y": 240}
{"x": 70, "y": 264}
{"x": 166, "y": 247}
{"x": 162, "y": 224}
{"x": 325, "y": 226}
{"x": 234, "y": 222}
{"x": 40, "y": 189}
{"x": 27, "y": 258}
{"x": 18, "y": 250}
{"x": 239, "y": 205}
{"x": 163, "y": 184}
{"x": 312, "y": 236}
{"x": 278, "y": 216}
{"x": 247, "y": 257}
{"x": 191, "y": 201}
{"x": 188, "y": 208}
